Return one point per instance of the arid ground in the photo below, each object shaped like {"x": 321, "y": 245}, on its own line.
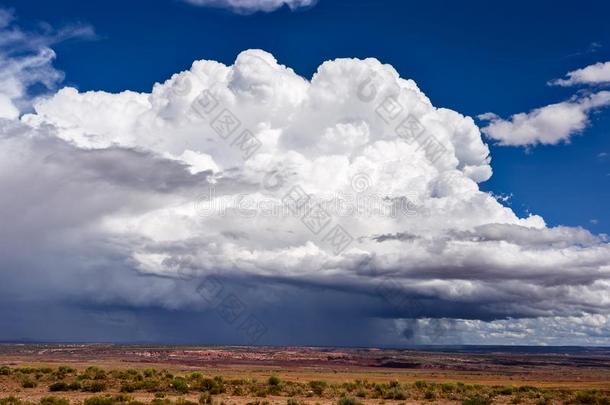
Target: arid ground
{"x": 167, "y": 375}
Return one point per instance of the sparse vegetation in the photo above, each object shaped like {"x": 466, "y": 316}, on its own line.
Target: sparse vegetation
{"x": 591, "y": 397}
{"x": 318, "y": 387}
{"x": 348, "y": 401}
{"x": 59, "y": 386}
{"x": 54, "y": 401}
{"x": 27, "y": 383}
{"x": 477, "y": 400}
{"x": 274, "y": 381}
{"x": 180, "y": 385}
{"x": 95, "y": 386}
{"x": 180, "y": 389}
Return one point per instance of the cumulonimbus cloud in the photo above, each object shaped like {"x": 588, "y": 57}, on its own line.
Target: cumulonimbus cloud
{"x": 134, "y": 198}
{"x": 252, "y": 6}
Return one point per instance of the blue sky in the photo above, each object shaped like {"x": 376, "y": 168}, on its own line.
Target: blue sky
{"x": 472, "y": 57}
{"x": 100, "y": 245}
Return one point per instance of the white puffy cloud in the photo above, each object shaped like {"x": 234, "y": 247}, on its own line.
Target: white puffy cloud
{"x": 136, "y": 197}
{"x": 548, "y": 125}
{"x": 598, "y": 73}
{"x": 251, "y": 6}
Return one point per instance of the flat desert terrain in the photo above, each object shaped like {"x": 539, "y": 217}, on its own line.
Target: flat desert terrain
{"x": 96, "y": 374}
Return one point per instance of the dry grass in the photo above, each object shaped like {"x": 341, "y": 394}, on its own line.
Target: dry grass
{"x": 179, "y": 385}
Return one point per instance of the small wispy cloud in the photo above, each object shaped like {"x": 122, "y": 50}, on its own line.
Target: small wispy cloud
{"x": 548, "y": 125}
{"x": 252, "y": 6}
{"x": 596, "y": 74}
{"x": 26, "y": 59}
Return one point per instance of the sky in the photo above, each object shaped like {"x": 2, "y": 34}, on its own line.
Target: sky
{"x": 161, "y": 163}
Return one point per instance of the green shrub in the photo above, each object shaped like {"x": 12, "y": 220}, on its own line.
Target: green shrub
{"x": 4, "y": 370}
{"x": 505, "y": 391}
{"x": 517, "y": 399}
{"x": 58, "y": 386}
{"x": 75, "y": 386}
{"x": 293, "y": 401}
{"x": 128, "y": 387}
{"x": 112, "y": 400}
{"x": 179, "y": 384}
{"x": 447, "y": 388}
{"x": 182, "y": 401}
{"x": 10, "y": 401}
{"x": 420, "y": 384}
{"x": 95, "y": 386}
{"x": 591, "y": 397}
{"x": 477, "y": 400}
{"x": 348, "y": 401}
{"x": 100, "y": 401}
{"x": 27, "y": 383}
{"x": 260, "y": 392}
{"x": 159, "y": 401}
{"x": 214, "y": 385}
{"x": 394, "y": 393}
{"x": 318, "y": 387}
{"x": 275, "y": 385}
{"x": 205, "y": 398}
{"x": 54, "y": 401}
{"x": 95, "y": 373}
